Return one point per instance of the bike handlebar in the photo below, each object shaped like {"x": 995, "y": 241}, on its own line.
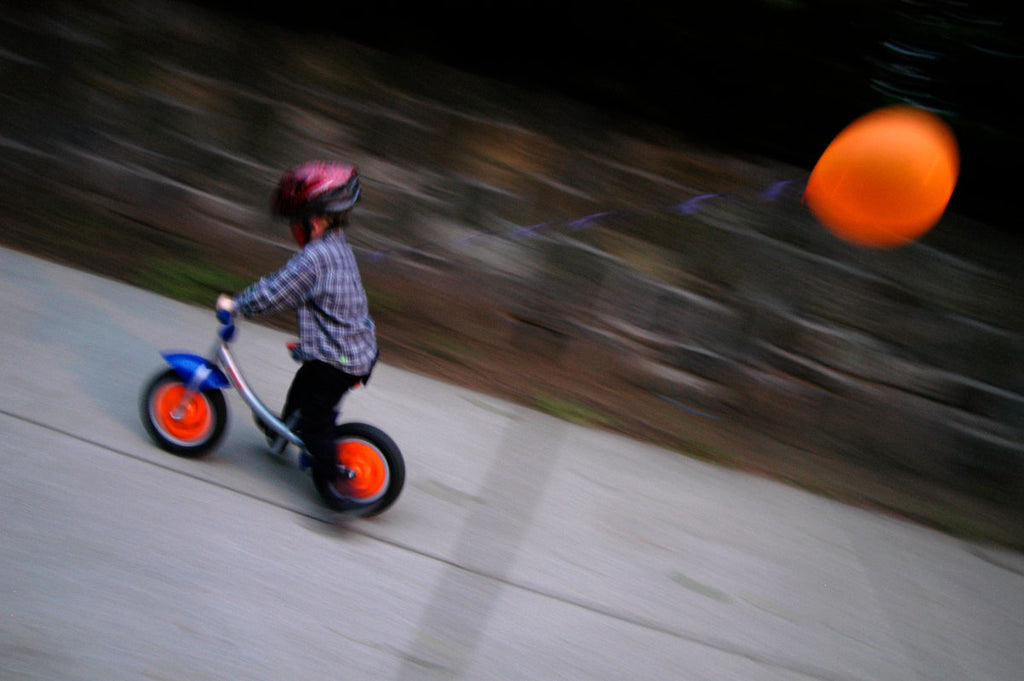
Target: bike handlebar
{"x": 227, "y": 328}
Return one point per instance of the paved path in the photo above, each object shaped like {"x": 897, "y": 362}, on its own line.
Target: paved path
{"x": 522, "y": 548}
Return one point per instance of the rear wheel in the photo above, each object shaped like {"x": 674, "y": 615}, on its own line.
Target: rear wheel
{"x": 182, "y": 423}
{"x": 371, "y": 471}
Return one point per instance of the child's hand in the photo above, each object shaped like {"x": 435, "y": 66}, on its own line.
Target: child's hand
{"x": 225, "y": 303}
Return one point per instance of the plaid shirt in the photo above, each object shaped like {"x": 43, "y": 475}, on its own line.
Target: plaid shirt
{"x": 322, "y": 283}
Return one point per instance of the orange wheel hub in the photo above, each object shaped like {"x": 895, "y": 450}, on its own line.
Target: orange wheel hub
{"x": 187, "y": 421}
{"x": 368, "y": 466}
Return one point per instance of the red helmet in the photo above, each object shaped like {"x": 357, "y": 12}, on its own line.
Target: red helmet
{"x": 315, "y": 188}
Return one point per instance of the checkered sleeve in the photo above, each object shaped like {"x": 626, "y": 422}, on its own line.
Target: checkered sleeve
{"x": 286, "y": 288}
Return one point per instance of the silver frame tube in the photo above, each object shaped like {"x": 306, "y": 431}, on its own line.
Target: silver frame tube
{"x": 258, "y": 408}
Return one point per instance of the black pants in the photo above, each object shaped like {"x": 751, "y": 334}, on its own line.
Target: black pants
{"x": 315, "y": 392}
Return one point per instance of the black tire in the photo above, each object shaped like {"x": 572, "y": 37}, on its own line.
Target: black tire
{"x": 378, "y": 466}
{"x": 197, "y": 430}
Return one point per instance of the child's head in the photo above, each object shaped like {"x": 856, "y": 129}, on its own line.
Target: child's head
{"x": 337, "y": 220}
{"x": 323, "y": 190}
{"x": 315, "y": 226}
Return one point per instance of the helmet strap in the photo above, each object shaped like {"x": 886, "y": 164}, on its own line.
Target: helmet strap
{"x": 301, "y": 231}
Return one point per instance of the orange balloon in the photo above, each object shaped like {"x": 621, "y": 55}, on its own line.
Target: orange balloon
{"x": 886, "y": 179}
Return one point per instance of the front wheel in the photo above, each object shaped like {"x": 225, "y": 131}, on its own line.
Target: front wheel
{"x": 182, "y": 423}
{"x": 371, "y": 471}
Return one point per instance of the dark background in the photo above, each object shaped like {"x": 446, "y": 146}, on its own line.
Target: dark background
{"x": 775, "y": 78}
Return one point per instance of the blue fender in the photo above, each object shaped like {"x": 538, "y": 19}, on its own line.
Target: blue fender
{"x": 188, "y": 366}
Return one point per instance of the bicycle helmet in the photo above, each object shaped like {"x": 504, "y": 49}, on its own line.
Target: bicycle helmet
{"x": 315, "y": 188}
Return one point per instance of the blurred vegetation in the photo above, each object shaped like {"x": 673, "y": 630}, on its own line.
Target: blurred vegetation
{"x": 571, "y": 410}
{"x": 193, "y": 281}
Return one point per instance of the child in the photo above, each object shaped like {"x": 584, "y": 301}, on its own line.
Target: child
{"x": 337, "y": 343}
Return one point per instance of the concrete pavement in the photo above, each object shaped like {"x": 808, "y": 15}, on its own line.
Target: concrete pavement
{"x": 523, "y": 547}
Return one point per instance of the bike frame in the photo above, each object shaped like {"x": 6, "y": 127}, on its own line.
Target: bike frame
{"x": 199, "y": 373}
